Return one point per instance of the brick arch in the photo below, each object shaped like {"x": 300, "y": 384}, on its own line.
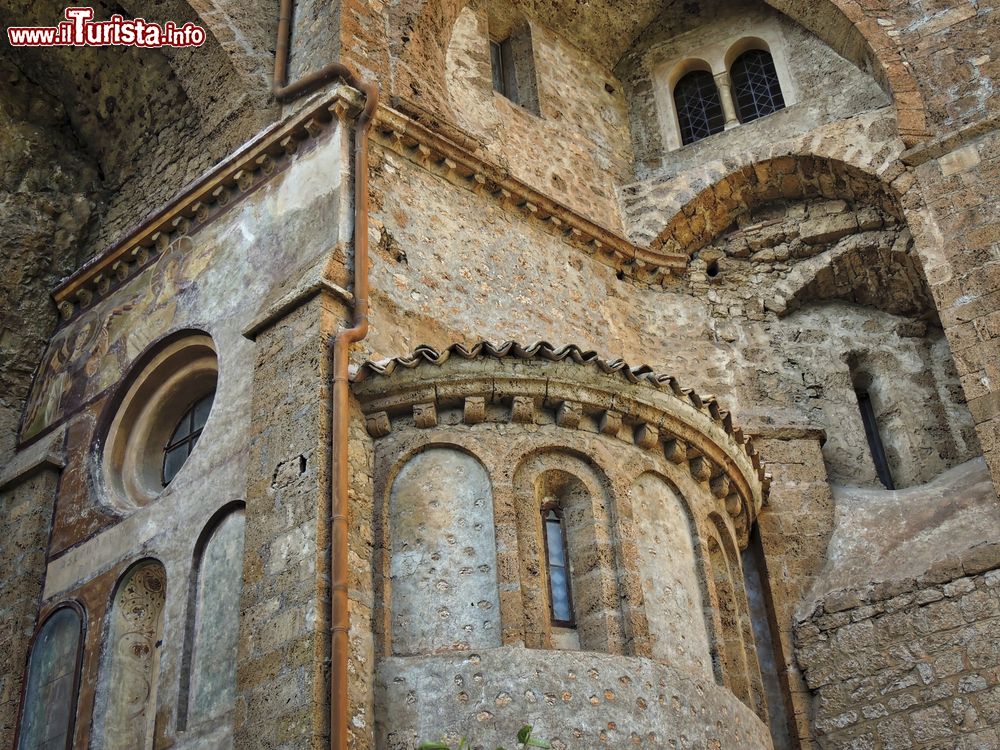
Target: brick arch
{"x": 421, "y": 29}
{"x": 787, "y": 177}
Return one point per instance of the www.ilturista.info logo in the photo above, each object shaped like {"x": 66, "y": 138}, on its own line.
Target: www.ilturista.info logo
{"x": 79, "y": 30}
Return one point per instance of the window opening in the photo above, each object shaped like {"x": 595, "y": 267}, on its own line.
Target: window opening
{"x": 502, "y": 61}
{"x": 557, "y": 559}
{"x": 875, "y": 444}
{"x": 755, "y": 85}
{"x": 185, "y": 437}
{"x": 47, "y": 717}
{"x": 699, "y": 109}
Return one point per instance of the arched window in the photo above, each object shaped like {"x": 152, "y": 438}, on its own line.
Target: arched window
{"x": 126, "y": 700}
{"x": 49, "y": 708}
{"x": 699, "y": 109}
{"x": 185, "y": 437}
{"x": 755, "y": 85}
{"x": 557, "y": 566}
{"x": 209, "y": 687}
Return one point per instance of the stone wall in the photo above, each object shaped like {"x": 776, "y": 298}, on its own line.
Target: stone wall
{"x": 908, "y": 664}
{"x": 27, "y": 515}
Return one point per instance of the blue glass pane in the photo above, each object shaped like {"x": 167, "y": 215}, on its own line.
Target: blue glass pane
{"x": 553, "y": 534}
{"x": 560, "y": 594}
{"x": 173, "y": 460}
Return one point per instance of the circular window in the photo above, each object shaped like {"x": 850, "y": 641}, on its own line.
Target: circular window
{"x": 159, "y": 420}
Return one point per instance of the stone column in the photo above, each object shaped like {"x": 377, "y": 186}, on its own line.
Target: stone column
{"x": 27, "y": 499}
{"x": 284, "y": 645}
{"x": 795, "y": 528}
{"x": 724, "y": 85}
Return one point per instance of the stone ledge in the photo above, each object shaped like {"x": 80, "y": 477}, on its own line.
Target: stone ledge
{"x": 976, "y": 560}
{"x": 46, "y": 454}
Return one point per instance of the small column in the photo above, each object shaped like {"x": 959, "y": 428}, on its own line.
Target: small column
{"x": 726, "y": 97}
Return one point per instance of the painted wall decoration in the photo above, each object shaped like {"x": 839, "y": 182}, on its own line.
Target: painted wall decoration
{"x": 126, "y": 707}
{"x": 49, "y": 697}
{"x": 91, "y": 353}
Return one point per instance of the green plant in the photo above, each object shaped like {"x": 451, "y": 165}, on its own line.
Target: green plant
{"x": 524, "y": 740}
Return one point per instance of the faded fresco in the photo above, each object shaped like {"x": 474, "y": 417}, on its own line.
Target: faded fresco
{"x": 91, "y": 355}
{"x": 224, "y": 271}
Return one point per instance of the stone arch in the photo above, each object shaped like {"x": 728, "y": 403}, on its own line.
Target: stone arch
{"x": 422, "y": 28}
{"x": 788, "y": 177}
{"x": 581, "y": 489}
{"x": 208, "y": 676}
{"x": 740, "y": 629}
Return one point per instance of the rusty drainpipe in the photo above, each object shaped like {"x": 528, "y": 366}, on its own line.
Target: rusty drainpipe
{"x": 339, "y": 346}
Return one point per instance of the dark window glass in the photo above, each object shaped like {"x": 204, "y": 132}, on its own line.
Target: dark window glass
{"x": 560, "y": 594}
{"x": 699, "y": 110}
{"x": 755, "y": 85}
{"x": 874, "y": 440}
{"x": 50, "y": 693}
{"x": 504, "y": 74}
{"x": 185, "y": 437}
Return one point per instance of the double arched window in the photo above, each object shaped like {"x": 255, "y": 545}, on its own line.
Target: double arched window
{"x": 707, "y": 103}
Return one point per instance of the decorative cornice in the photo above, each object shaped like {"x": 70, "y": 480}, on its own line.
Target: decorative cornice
{"x": 467, "y": 169}
{"x": 202, "y": 201}
{"x": 951, "y": 141}
{"x": 270, "y": 153}
{"x": 540, "y": 384}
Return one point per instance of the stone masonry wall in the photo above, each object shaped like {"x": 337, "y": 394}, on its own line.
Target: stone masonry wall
{"x": 24, "y": 531}
{"x": 909, "y": 664}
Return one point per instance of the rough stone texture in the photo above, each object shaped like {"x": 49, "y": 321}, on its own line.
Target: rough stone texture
{"x": 572, "y": 699}
{"x": 441, "y": 521}
{"x": 909, "y": 664}
{"x": 833, "y": 236}
{"x": 27, "y": 514}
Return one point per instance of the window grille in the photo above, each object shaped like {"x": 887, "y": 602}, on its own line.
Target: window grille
{"x": 185, "y": 437}
{"x": 755, "y": 85}
{"x": 557, "y": 560}
{"x": 699, "y": 109}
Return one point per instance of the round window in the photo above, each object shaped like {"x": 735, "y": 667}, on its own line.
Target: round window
{"x": 159, "y": 420}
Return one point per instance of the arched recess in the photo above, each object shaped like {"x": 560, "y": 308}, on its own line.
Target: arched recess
{"x": 565, "y": 479}
{"x": 420, "y": 30}
{"x": 741, "y": 606}
{"x": 208, "y": 679}
{"x": 125, "y": 709}
{"x": 443, "y": 593}
{"x": 789, "y": 177}
{"x": 671, "y": 569}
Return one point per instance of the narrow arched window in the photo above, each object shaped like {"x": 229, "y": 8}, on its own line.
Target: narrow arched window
{"x": 49, "y": 708}
{"x": 755, "y": 85}
{"x": 557, "y": 565}
{"x": 699, "y": 109}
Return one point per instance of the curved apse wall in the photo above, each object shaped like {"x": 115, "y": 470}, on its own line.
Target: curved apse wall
{"x": 443, "y": 563}
{"x": 671, "y": 584}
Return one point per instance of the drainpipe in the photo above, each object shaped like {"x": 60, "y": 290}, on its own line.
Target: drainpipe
{"x": 339, "y": 350}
